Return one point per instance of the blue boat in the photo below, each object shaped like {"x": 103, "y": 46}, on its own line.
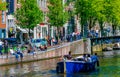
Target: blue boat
{"x": 75, "y": 66}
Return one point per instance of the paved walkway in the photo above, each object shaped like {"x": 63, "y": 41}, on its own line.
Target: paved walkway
{"x": 3, "y": 60}
{"x": 11, "y": 58}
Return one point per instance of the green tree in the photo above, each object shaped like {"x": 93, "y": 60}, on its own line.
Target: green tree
{"x": 57, "y": 15}
{"x": 100, "y": 13}
{"x": 2, "y": 5}
{"x": 82, "y": 9}
{"x": 89, "y": 12}
{"x": 29, "y": 14}
{"x": 71, "y": 14}
{"x": 112, "y": 12}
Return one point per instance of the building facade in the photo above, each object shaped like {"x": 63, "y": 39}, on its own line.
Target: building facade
{"x": 10, "y": 20}
{"x": 2, "y": 23}
{"x": 41, "y": 29}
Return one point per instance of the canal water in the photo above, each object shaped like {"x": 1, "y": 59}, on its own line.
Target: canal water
{"x": 109, "y": 67}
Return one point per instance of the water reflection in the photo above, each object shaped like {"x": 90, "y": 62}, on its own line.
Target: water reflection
{"x": 29, "y": 69}
{"x": 109, "y": 67}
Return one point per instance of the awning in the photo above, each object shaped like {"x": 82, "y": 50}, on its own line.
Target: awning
{"x": 21, "y": 29}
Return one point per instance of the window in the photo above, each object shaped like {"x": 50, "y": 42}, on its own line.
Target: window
{"x": 44, "y": 31}
{"x": 3, "y": 17}
{"x": 38, "y": 3}
{"x": 43, "y": 3}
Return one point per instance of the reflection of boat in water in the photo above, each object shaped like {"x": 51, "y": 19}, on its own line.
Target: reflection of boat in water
{"x": 107, "y": 49}
{"x": 70, "y": 66}
{"x": 116, "y": 46}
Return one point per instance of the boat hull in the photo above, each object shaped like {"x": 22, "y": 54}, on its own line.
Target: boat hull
{"x": 116, "y": 48}
{"x": 75, "y": 67}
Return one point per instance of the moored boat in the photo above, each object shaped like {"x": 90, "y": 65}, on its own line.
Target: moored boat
{"x": 107, "y": 49}
{"x": 116, "y": 46}
{"x": 70, "y": 66}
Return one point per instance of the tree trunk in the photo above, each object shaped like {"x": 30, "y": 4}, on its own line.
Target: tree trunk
{"x": 101, "y": 27}
{"x": 90, "y": 23}
{"x": 85, "y": 27}
{"x": 113, "y": 31}
{"x": 29, "y": 33}
{"x": 21, "y": 38}
{"x": 29, "y": 37}
{"x": 58, "y": 34}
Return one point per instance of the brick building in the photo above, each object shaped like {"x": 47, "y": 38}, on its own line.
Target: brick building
{"x": 2, "y": 23}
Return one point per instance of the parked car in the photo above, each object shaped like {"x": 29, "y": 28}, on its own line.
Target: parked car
{"x": 39, "y": 42}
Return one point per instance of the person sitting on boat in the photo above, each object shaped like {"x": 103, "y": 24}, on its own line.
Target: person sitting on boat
{"x": 69, "y": 56}
{"x": 81, "y": 58}
{"x": 84, "y": 57}
{"x": 95, "y": 58}
{"x": 88, "y": 58}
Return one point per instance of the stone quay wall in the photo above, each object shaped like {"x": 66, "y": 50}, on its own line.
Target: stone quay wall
{"x": 76, "y": 47}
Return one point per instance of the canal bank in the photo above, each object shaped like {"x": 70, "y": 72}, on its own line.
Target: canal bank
{"x": 77, "y": 47}
{"x": 109, "y": 67}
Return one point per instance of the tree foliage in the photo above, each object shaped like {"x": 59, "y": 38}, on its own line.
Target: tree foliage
{"x": 29, "y": 14}
{"x": 57, "y": 15}
{"x": 98, "y": 10}
{"x": 112, "y": 11}
{"x": 2, "y": 5}
{"x": 89, "y": 10}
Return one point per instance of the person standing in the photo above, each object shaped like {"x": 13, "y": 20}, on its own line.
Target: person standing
{"x": 69, "y": 56}
{"x": 6, "y": 47}
{"x": 95, "y": 58}
{"x": 89, "y": 58}
{"x": 84, "y": 57}
{"x": 1, "y": 44}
